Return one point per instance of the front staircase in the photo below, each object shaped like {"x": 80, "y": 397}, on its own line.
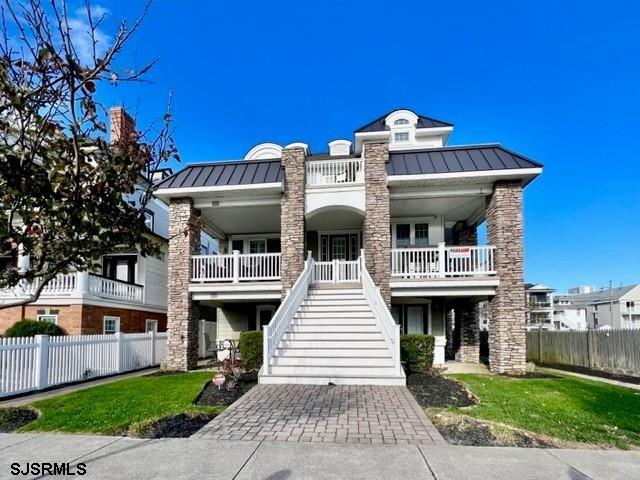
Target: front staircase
{"x": 334, "y": 337}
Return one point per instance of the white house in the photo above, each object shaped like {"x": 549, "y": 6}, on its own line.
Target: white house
{"x": 335, "y": 254}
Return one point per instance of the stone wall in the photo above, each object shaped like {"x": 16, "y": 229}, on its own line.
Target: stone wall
{"x": 466, "y": 313}
{"x": 292, "y": 217}
{"x": 465, "y": 234}
{"x": 507, "y": 340}
{"x": 377, "y": 236}
{"x": 182, "y": 315}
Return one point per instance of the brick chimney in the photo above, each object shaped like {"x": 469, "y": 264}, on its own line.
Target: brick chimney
{"x": 121, "y": 124}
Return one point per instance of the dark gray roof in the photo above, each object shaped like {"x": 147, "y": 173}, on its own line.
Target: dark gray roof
{"x": 239, "y": 172}
{"x": 469, "y": 158}
{"x": 423, "y": 122}
{"x": 601, "y": 296}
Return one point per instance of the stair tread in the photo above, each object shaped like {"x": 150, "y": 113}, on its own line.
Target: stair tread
{"x": 317, "y": 375}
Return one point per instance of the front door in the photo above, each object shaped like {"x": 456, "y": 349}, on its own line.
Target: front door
{"x": 415, "y": 320}
{"x": 338, "y": 247}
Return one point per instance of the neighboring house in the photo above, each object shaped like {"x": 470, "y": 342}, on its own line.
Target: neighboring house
{"x": 127, "y": 294}
{"x": 397, "y": 196}
{"x": 607, "y": 308}
{"x": 539, "y": 303}
{"x": 567, "y": 316}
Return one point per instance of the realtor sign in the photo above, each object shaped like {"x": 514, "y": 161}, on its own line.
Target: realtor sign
{"x": 460, "y": 252}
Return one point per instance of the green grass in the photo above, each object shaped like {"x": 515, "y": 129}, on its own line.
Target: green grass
{"x": 113, "y": 408}
{"x": 567, "y": 408}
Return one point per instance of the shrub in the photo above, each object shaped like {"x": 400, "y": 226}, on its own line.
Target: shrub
{"x": 416, "y": 351}
{"x": 30, "y": 328}
{"x": 251, "y": 349}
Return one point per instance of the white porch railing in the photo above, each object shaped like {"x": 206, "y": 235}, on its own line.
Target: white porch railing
{"x": 335, "y": 172}
{"x": 337, "y": 271}
{"x": 389, "y": 328}
{"x": 275, "y": 330}
{"x": 116, "y": 289}
{"x": 235, "y": 267}
{"x": 443, "y": 261}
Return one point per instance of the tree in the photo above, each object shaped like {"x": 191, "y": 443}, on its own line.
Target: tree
{"x": 65, "y": 191}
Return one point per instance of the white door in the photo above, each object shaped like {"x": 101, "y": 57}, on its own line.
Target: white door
{"x": 415, "y": 321}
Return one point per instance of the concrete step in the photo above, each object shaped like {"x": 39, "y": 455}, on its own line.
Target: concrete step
{"x": 333, "y": 321}
{"x": 335, "y": 380}
{"x": 304, "y": 328}
{"x": 343, "y": 344}
{"x": 333, "y": 370}
{"x": 343, "y": 314}
{"x": 333, "y": 352}
{"x": 373, "y": 362}
{"x": 350, "y": 335}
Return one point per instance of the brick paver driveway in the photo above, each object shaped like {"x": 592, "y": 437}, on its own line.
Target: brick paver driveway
{"x": 320, "y": 413}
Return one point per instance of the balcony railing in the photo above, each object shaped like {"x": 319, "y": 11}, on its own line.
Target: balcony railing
{"x": 235, "y": 267}
{"x": 78, "y": 283}
{"x": 335, "y": 172}
{"x": 337, "y": 271}
{"x": 443, "y": 261}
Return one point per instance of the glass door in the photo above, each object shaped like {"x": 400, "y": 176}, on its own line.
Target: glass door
{"x": 415, "y": 319}
{"x": 338, "y": 247}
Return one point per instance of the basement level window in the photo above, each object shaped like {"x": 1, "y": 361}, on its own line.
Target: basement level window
{"x": 401, "y": 137}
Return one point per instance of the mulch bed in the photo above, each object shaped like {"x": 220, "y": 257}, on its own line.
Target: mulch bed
{"x": 177, "y": 426}
{"x": 433, "y": 390}
{"x": 12, "y": 418}
{"x": 212, "y": 395}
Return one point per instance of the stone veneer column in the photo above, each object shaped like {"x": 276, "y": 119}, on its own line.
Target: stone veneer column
{"x": 466, "y": 234}
{"x": 182, "y": 312}
{"x": 377, "y": 236}
{"x": 467, "y": 315}
{"x": 507, "y": 339}
{"x": 292, "y": 217}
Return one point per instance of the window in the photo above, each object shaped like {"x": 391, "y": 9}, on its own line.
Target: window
{"x": 403, "y": 235}
{"x": 110, "y": 325}
{"x": 631, "y": 304}
{"x": 51, "y": 318}
{"x": 401, "y": 136}
{"x": 263, "y": 315}
{"x": 151, "y": 326}
{"x": 422, "y": 234}
{"x": 401, "y": 121}
{"x": 237, "y": 245}
{"x": 257, "y": 246}
{"x": 122, "y": 267}
{"x": 149, "y": 219}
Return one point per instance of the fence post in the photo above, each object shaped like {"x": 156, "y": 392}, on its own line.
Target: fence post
{"x": 236, "y": 266}
{"x": 42, "y": 361}
{"x": 441, "y": 260}
{"x": 153, "y": 347}
{"x": 335, "y": 271}
{"x": 119, "y": 352}
{"x": 540, "y": 344}
{"x": 590, "y": 348}
{"x": 265, "y": 349}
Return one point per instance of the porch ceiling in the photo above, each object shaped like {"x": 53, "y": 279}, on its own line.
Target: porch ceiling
{"x": 452, "y": 208}
{"x": 243, "y": 219}
{"x": 338, "y": 218}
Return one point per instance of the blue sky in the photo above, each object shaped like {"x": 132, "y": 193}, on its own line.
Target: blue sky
{"x": 557, "y": 81}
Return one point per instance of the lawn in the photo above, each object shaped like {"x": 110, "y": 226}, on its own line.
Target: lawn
{"x": 567, "y": 408}
{"x": 113, "y": 408}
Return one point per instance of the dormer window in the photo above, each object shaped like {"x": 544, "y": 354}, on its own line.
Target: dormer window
{"x": 401, "y": 136}
{"x": 401, "y": 121}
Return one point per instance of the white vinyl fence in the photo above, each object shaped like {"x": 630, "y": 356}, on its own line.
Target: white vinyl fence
{"x": 35, "y": 363}
{"x": 613, "y": 351}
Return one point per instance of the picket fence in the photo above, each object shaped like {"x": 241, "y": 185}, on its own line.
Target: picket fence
{"x": 614, "y": 351}
{"x": 36, "y": 363}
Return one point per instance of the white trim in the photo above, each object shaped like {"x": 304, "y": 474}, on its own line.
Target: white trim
{"x": 230, "y": 203}
{"x": 107, "y": 318}
{"x": 40, "y": 315}
{"x": 264, "y": 150}
{"x": 393, "y": 180}
{"x": 433, "y": 131}
{"x": 301, "y": 145}
{"x": 167, "y": 193}
{"x": 420, "y": 193}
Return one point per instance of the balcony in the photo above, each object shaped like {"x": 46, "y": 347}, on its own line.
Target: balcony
{"x": 335, "y": 172}
{"x": 235, "y": 268}
{"x": 442, "y": 262}
{"x": 80, "y": 284}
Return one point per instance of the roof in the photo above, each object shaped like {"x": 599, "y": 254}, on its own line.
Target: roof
{"x": 239, "y": 172}
{"x": 378, "y": 124}
{"x": 468, "y": 158}
{"x": 538, "y": 287}
{"x": 603, "y": 296}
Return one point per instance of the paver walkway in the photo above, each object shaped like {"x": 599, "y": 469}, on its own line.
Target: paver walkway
{"x": 322, "y": 413}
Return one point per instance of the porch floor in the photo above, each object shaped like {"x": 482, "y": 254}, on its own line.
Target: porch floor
{"x": 328, "y": 414}
{"x": 452, "y": 367}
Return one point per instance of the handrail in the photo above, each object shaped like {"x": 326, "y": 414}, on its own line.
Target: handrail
{"x": 275, "y": 330}
{"x": 389, "y": 328}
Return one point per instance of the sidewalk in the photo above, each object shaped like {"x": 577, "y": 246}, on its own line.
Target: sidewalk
{"x": 195, "y": 458}
{"x": 595, "y": 378}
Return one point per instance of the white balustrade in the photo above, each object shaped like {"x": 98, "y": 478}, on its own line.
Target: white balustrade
{"x": 235, "y": 267}
{"x": 335, "y": 172}
{"x": 275, "y": 330}
{"x": 115, "y": 289}
{"x": 337, "y": 271}
{"x": 443, "y": 261}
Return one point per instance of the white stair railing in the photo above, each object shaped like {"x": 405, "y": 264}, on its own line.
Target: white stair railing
{"x": 273, "y": 333}
{"x": 337, "y": 271}
{"x": 388, "y": 327}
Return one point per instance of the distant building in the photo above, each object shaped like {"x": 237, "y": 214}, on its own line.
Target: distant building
{"x": 582, "y": 289}
{"x": 539, "y": 305}
{"x": 566, "y": 315}
{"x": 613, "y": 308}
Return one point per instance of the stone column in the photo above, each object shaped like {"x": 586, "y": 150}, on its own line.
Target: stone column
{"x": 465, "y": 234}
{"x": 292, "y": 217}
{"x": 377, "y": 236}
{"x": 469, "y": 328}
{"x": 182, "y": 312}
{"x": 507, "y": 339}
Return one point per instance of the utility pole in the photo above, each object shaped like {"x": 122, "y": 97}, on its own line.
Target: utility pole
{"x": 611, "y": 303}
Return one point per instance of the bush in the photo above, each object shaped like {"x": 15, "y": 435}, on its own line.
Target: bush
{"x": 416, "y": 351}
{"x": 251, "y": 349}
{"x": 30, "y": 328}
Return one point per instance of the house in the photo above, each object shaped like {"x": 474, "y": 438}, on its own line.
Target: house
{"x": 128, "y": 293}
{"x": 568, "y": 316}
{"x": 609, "y": 307}
{"x": 539, "y": 303}
{"x": 335, "y": 254}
